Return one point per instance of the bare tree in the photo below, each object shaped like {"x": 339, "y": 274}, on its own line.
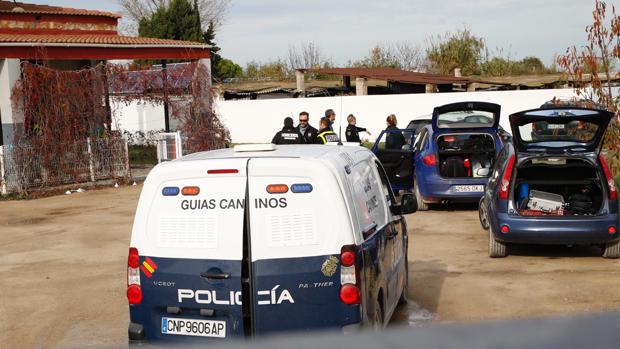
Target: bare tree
{"x": 307, "y": 55}
{"x": 135, "y": 10}
{"x": 409, "y": 56}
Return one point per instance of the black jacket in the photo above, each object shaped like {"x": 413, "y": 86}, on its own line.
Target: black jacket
{"x": 352, "y": 133}
{"x": 326, "y": 135}
{"x": 310, "y": 136}
{"x": 288, "y": 135}
{"x": 394, "y": 140}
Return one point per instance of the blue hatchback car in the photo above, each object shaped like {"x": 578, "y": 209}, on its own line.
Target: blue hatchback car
{"x": 552, "y": 185}
{"x": 450, "y": 159}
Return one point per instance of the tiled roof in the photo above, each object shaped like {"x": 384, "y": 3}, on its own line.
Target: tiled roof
{"x": 101, "y": 39}
{"x": 19, "y": 7}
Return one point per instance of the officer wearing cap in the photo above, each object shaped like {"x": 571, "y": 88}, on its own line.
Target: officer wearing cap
{"x": 288, "y": 135}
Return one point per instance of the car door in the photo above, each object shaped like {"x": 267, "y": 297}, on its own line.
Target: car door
{"x": 398, "y": 163}
{"x": 394, "y": 242}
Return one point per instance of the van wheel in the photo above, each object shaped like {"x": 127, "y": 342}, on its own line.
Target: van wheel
{"x": 496, "y": 249}
{"x": 483, "y": 215}
{"x": 612, "y": 250}
{"x": 405, "y": 291}
{"x": 377, "y": 317}
{"x": 422, "y": 206}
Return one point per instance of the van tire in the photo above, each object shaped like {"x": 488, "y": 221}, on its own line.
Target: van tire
{"x": 377, "y": 317}
{"x": 422, "y": 206}
{"x": 612, "y": 250}
{"x": 483, "y": 215}
{"x": 404, "y": 293}
{"x": 496, "y": 249}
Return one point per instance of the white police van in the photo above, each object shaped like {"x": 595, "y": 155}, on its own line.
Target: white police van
{"x": 264, "y": 239}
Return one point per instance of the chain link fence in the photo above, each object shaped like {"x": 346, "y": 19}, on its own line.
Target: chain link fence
{"x": 22, "y": 169}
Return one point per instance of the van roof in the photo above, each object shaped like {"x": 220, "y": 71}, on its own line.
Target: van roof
{"x": 311, "y": 151}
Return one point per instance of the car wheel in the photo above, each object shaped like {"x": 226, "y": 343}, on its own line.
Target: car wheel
{"x": 612, "y": 250}
{"x": 422, "y": 206}
{"x": 483, "y": 214}
{"x": 405, "y": 291}
{"x": 496, "y": 249}
{"x": 377, "y": 318}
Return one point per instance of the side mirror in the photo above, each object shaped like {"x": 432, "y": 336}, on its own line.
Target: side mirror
{"x": 409, "y": 203}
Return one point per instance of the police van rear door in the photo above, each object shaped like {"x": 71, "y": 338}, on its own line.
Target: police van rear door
{"x": 299, "y": 224}
{"x": 191, "y": 251}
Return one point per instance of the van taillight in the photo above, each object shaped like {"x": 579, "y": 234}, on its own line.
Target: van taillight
{"x": 611, "y": 185}
{"x": 134, "y": 291}
{"x": 430, "y": 160}
{"x": 504, "y": 185}
{"x": 349, "y": 289}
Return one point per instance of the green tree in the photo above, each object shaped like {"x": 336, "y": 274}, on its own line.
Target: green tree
{"x": 180, "y": 20}
{"x": 461, "y": 50}
{"x": 228, "y": 69}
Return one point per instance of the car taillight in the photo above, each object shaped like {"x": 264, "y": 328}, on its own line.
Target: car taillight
{"x": 611, "y": 185}
{"x": 504, "y": 185}
{"x": 349, "y": 289}
{"x": 134, "y": 291}
{"x": 430, "y": 160}
{"x": 467, "y": 165}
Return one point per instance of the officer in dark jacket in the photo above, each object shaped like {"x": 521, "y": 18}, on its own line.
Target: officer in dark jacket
{"x": 352, "y": 132}
{"x": 308, "y": 133}
{"x": 288, "y": 135}
{"x": 394, "y": 140}
{"x": 325, "y": 134}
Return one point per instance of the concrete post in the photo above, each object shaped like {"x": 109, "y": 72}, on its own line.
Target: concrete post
{"x": 9, "y": 117}
{"x": 91, "y": 162}
{"x": 2, "y": 174}
{"x": 472, "y": 87}
{"x": 431, "y": 88}
{"x": 300, "y": 79}
{"x": 361, "y": 87}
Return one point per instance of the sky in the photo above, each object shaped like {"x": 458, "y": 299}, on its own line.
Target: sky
{"x": 261, "y": 30}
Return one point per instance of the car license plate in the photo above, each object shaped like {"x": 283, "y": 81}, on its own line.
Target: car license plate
{"x": 555, "y": 126}
{"x": 468, "y": 188}
{"x": 193, "y": 327}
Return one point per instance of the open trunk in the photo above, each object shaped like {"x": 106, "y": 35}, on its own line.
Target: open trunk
{"x": 469, "y": 155}
{"x": 558, "y": 187}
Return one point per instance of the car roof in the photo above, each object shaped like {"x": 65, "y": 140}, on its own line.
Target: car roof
{"x": 309, "y": 151}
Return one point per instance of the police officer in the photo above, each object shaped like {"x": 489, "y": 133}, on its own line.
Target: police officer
{"x": 308, "y": 133}
{"x": 331, "y": 115}
{"x": 288, "y": 135}
{"x": 325, "y": 134}
{"x": 352, "y": 132}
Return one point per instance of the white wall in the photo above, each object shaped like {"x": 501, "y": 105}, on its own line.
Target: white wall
{"x": 138, "y": 116}
{"x": 258, "y": 120}
{"x": 9, "y": 73}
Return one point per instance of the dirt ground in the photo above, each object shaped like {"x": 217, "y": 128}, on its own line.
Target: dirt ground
{"x": 63, "y": 272}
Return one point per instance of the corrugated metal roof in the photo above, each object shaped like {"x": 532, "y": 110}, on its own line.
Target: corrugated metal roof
{"x": 393, "y": 74}
{"x": 101, "y": 39}
{"x": 20, "y": 7}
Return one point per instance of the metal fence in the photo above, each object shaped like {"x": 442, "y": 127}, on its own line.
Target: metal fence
{"x": 21, "y": 168}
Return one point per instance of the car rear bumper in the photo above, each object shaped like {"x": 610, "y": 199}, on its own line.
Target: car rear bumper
{"x": 436, "y": 189}
{"x": 564, "y": 231}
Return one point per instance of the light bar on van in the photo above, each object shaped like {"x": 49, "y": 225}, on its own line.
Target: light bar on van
{"x": 190, "y": 191}
{"x": 277, "y": 188}
{"x": 170, "y": 191}
{"x": 223, "y": 171}
{"x": 301, "y": 188}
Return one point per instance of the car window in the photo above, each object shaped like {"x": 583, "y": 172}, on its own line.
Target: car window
{"x": 501, "y": 159}
{"x": 466, "y": 119}
{"x": 421, "y": 139}
{"x": 397, "y": 140}
{"x": 385, "y": 185}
